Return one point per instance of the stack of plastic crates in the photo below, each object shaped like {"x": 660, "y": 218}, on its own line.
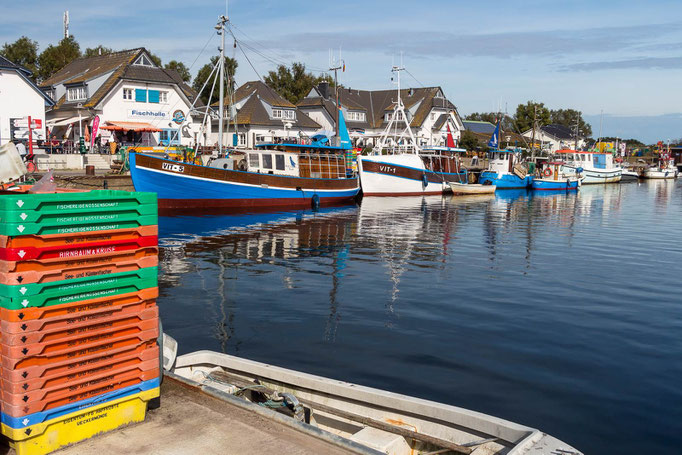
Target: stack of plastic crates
{"x": 78, "y": 315}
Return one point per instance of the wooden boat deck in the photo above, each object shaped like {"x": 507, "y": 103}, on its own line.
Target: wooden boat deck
{"x": 190, "y": 421}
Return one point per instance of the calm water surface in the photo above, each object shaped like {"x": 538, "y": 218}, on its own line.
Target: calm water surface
{"x": 562, "y": 311}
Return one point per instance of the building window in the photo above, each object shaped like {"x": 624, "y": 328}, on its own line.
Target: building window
{"x": 143, "y": 61}
{"x": 285, "y": 114}
{"x": 267, "y": 161}
{"x": 76, "y": 94}
{"x": 169, "y": 137}
{"x": 357, "y": 116}
{"x": 140, "y": 95}
{"x": 242, "y": 139}
{"x": 279, "y": 162}
{"x": 163, "y": 97}
{"x": 128, "y": 94}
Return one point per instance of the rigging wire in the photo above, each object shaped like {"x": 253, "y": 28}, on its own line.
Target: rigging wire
{"x": 408, "y": 72}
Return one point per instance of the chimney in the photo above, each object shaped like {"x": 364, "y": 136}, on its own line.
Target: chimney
{"x": 323, "y": 88}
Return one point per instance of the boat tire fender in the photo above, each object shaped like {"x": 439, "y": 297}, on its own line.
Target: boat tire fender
{"x": 425, "y": 180}
{"x": 315, "y": 202}
{"x": 242, "y": 165}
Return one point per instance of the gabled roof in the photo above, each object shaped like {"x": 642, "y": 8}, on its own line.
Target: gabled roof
{"x": 119, "y": 66}
{"x": 476, "y": 126}
{"x": 252, "y": 112}
{"x": 560, "y": 132}
{"x": 376, "y": 102}
{"x": 25, "y": 74}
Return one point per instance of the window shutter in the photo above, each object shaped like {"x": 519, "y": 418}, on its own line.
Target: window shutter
{"x": 153, "y": 96}
{"x": 140, "y": 95}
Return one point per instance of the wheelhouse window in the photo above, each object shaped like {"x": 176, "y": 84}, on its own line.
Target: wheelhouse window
{"x": 76, "y": 93}
{"x": 254, "y": 162}
{"x": 279, "y": 162}
{"x": 128, "y": 94}
{"x": 267, "y": 161}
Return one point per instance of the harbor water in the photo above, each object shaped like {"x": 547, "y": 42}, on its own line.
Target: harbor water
{"x": 558, "y": 311}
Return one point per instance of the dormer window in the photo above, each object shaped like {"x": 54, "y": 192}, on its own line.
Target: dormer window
{"x": 357, "y": 116}
{"x": 143, "y": 60}
{"x": 284, "y": 114}
{"x": 76, "y": 93}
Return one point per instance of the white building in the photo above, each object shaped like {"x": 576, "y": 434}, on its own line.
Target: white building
{"x": 261, "y": 115}
{"x": 138, "y": 103}
{"x": 368, "y": 112}
{"x": 20, "y": 98}
{"x": 555, "y": 137}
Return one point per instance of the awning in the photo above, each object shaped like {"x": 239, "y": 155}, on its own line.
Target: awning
{"x": 64, "y": 121}
{"x": 130, "y": 126}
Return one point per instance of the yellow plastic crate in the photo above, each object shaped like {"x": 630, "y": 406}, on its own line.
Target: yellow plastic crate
{"x": 54, "y": 434}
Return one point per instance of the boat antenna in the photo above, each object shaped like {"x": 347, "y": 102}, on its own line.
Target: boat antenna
{"x": 220, "y": 26}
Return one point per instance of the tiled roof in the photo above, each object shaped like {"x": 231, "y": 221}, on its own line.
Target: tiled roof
{"x": 440, "y": 121}
{"x": 5, "y": 63}
{"x": 376, "y": 102}
{"x": 558, "y": 131}
{"x": 119, "y": 66}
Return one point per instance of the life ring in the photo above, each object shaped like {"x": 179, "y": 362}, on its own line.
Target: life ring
{"x": 547, "y": 172}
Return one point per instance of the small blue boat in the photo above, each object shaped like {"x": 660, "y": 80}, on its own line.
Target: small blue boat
{"x": 501, "y": 172}
{"x": 566, "y": 184}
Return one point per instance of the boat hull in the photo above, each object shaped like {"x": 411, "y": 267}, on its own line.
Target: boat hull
{"x": 184, "y": 185}
{"x": 595, "y": 176}
{"x": 505, "y": 181}
{"x": 659, "y": 174}
{"x": 472, "y": 188}
{"x": 402, "y": 175}
{"x": 555, "y": 185}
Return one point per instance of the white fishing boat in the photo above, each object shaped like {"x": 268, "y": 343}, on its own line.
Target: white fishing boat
{"x": 471, "y": 188}
{"x": 597, "y": 167}
{"x": 397, "y": 166}
{"x": 663, "y": 169}
{"x": 357, "y": 418}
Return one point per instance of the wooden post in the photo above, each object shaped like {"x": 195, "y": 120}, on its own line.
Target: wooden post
{"x": 30, "y": 137}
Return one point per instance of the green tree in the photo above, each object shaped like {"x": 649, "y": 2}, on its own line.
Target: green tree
{"x": 568, "y": 118}
{"x": 294, "y": 83}
{"x": 95, "y": 51}
{"x": 54, "y": 58}
{"x": 156, "y": 59}
{"x": 469, "y": 141}
{"x": 526, "y": 112}
{"x": 24, "y": 52}
{"x": 205, "y": 71}
{"x": 180, "y": 67}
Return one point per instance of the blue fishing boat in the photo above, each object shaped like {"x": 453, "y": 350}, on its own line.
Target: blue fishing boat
{"x": 505, "y": 169}
{"x": 555, "y": 180}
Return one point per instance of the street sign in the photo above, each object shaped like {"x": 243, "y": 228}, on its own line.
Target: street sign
{"x": 23, "y": 123}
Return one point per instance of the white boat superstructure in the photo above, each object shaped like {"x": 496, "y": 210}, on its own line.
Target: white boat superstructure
{"x": 374, "y": 421}
{"x": 665, "y": 169}
{"x": 597, "y": 167}
{"x": 397, "y": 166}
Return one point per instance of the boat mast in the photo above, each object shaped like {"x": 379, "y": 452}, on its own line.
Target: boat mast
{"x": 577, "y": 129}
{"x": 336, "y": 67}
{"x": 398, "y": 113}
{"x": 221, "y": 30}
{"x": 532, "y": 141}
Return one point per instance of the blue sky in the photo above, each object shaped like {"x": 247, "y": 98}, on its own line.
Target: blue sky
{"x": 620, "y": 57}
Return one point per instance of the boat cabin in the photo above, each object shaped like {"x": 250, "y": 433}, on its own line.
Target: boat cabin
{"x": 587, "y": 160}
{"x": 442, "y": 159}
{"x": 502, "y": 161}
{"x": 296, "y": 160}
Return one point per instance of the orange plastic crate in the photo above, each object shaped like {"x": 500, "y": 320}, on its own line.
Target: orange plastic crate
{"x": 81, "y": 308}
{"x": 21, "y": 357}
{"x": 39, "y": 272}
{"x": 100, "y": 356}
{"x": 79, "y": 329}
{"x": 56, "y": 240}
{"x": 88, "y": 389}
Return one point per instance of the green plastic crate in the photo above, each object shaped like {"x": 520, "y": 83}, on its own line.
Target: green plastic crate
{"x": 84, "y": 223}
{"x": 17, "y": 297}
{"x": 90, "y": 200}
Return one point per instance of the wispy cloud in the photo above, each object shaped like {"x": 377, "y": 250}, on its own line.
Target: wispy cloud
{"x": 556, "y": 43}
{"x": 666, "y": 63}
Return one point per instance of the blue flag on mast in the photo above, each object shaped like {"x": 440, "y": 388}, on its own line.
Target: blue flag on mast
{"x": 494, "y": 141}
